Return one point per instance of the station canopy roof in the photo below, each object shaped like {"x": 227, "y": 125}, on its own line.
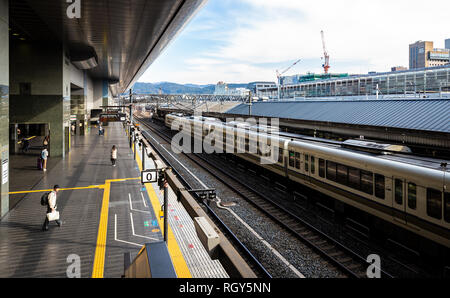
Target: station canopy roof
{"x": 426, "y": 114}
{"x": 126, "y": 35}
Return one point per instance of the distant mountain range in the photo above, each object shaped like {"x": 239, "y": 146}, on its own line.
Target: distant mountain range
{"x": 174, "y": 88}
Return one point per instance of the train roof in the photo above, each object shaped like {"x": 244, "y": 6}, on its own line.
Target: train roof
{"x": 383, "y": 151}
{"x": 416, "y": 114}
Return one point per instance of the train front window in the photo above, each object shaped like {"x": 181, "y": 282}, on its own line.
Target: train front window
{"x": 321, "y": 168}
{"x": 412, "y": 195}
{"x": 306, "y": 162}
{"x": 379, "y": 186}
{"x": 313, "y": 165}
{"x": 434, "y": 203}
{"x": 399, "y": 191}
{"x": 447, "y": 206}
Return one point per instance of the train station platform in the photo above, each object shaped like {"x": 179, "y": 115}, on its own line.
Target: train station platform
{"x": 105, "y": 213}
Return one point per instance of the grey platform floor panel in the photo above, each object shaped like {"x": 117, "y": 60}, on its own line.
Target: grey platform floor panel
{"x": 27, "y": 251}
{"x": 129, "y": 225}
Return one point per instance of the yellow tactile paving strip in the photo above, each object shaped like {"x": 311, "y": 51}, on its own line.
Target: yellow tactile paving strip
{"x": 179, "y": 263}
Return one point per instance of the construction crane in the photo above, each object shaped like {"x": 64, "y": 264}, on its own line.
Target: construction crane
{"x": 326, "y": 65}
{"x": 283, "y": 72}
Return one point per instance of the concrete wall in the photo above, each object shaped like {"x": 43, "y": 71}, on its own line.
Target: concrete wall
{"x": 89, "y": 92}
{"x": 98, "y": 94}
{"x": 76, "y": 76}
{"x": 45, "y": 66}
{"x": 4, "y": 107}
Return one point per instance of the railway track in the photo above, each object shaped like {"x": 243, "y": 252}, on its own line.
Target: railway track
{"x": 250, "y": 259}
{"x": 348, "y": 261}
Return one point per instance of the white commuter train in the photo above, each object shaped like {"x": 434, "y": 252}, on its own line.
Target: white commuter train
{"x": 408, "y": 191}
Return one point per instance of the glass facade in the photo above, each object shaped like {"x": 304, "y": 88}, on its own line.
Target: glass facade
{"x": 417, "y": 81}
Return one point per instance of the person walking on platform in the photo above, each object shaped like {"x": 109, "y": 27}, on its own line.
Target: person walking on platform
{"x": 51, "y": 209}
{"x": 44, "y": 156}
{"x": 25, "y": 145}
{"x": 113, "y": 155}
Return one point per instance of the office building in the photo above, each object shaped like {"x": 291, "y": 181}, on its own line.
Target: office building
{"x": 423, "y": 54}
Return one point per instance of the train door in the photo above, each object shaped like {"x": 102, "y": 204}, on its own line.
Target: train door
{"x": 399, "y": 199}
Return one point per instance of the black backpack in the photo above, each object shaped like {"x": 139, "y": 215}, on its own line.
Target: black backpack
{"x": 44, "y": 199}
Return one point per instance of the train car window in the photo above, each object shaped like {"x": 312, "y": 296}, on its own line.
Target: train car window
{"x": 447, "y": 206}
{"x": 331, "y": 170}
{"x": 306, "y": 162}
{"x": 354, "y": 178}
{"x": 379, "y": 186}
{"x": 342, "y": 174}
{"x": 291, "y": 158}
{"x": 434, "y": 203}
{"x": 367, "y": 182}
{"x": 321, "y": 168}
{"x": 280, "y": 155}
{"x": 412, "y": 195}
{"x": 399, "y": 191}
{"x": 313, "y": 165}
{"x": 297, "y": 160}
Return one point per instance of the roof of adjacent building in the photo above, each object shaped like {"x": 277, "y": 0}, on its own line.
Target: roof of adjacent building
{"x": 426, "y": 114}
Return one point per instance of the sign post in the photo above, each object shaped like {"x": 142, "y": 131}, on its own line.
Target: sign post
{"x": 143, "y": 155}
{"x": 166, "y": 203}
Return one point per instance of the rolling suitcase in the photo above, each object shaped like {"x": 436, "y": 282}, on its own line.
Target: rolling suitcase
{"x": 39, "y": 164}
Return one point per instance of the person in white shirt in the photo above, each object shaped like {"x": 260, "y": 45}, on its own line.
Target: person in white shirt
{"x": 44, "y": 156}
{"x": 113, "y": 155}
{"x": 51, "y": 206}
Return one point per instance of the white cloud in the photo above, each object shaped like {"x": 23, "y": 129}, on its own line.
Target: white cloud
{"x": 360, "y": 36}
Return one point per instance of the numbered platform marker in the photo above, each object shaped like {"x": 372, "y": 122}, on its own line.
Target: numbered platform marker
{"x": 149, "y": 176}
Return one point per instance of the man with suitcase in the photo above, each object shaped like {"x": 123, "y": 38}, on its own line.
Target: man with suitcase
{"x": 52, "y": 214}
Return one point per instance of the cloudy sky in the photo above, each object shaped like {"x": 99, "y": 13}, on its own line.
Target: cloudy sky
{"x": 248, "y": 40}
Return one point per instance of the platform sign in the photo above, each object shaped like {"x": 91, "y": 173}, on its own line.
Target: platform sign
{"x": 149, "y": 176}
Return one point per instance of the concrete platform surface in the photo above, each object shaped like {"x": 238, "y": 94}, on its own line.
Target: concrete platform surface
{"x": 85, "y": 173}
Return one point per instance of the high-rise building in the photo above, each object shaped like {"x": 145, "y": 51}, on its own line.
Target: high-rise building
{"x": 398, "y": 68}
{"x": 423, "y": 54}
{"x": 447, "y": 43}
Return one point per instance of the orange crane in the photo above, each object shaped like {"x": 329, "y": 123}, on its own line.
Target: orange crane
{"x": 283, "y": 72}
{"x": 326, "y": 65}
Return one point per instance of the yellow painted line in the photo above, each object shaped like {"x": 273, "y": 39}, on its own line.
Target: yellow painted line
{"x": 124, "y": 179}
{"x": 178, "y": 260}
{"x": 27, "y": 139}
{"x": 101, "y": 186}
{"x": 100, "y": 249}
{"x": 61, "y": 189}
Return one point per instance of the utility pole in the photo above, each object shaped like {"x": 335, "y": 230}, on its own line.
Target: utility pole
{"x": 134, "y": 144}
{"x": 143, "y": 154}
{"x": 250, "y": 103}
{"x": 166, "y": 206}
{"x": 162, "y": 183}
{"x": 131, "y": 106}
